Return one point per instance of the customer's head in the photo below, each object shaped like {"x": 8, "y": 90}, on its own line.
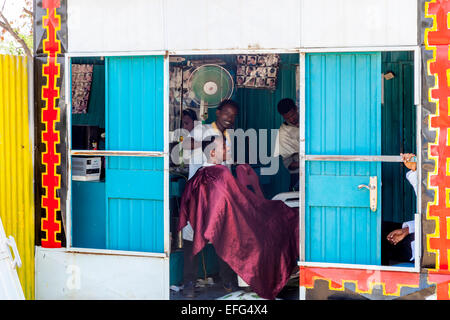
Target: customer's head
{"x": 214, "y": 148}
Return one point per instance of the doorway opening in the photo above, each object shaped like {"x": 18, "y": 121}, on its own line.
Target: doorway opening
{"x": 359, "y": 117}
{"x": 256, "y": 82}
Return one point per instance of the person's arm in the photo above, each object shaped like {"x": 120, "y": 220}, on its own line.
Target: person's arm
{"x": 291, "y": 162}
{"x": 409, "y": 225}
{"x": 294, "y": 165}
{"x": 288, "y": 150}
{"x": 288, "y": 146}
{"x": 397, "y": 235}
{"x": 190, "y": 144}
{"x": 411, "y": 175}
{"x": 406, "y": 157}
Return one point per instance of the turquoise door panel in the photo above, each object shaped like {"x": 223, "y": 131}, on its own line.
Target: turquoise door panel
{"x": 339, "y": 190}
{"x": 343, "y": 117}
{"x": 135, "y": 184}
{"x": 135, "y": 100}
{"x": 135, "y": 225}
{"x": 134, "y": 122}
{"x": 88, "y": 214}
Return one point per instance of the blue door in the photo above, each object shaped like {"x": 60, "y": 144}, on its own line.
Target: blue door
{"x": 343, "y": 117}
{"x": 134, "y": 122}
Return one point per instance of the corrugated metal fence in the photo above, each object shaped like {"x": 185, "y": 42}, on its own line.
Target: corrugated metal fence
{"x": 16, "y": 166}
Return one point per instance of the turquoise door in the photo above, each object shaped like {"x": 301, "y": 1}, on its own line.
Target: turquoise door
{"x": 134, "y": 184}
{"x": 343, "y": 117}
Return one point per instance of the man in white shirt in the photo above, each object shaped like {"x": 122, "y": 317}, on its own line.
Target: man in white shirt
{"x": 288, "y": 141}
{"x": 225, "y": 116}
{"x": 405, "y": 235}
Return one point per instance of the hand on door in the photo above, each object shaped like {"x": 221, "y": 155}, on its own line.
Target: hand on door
{"x": 397, "y": 235}
{"x": 406, "y": 157}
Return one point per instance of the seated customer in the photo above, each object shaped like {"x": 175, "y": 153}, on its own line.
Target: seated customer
{"x": 214, "y": 156}
{"x": 257, "y": 238}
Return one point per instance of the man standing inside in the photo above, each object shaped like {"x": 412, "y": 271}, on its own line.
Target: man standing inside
{"x": 288, "y": 141}
{"x": 400, "y": 242}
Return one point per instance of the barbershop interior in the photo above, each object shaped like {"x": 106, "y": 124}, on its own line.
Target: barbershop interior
{"x": 356, "y": 104}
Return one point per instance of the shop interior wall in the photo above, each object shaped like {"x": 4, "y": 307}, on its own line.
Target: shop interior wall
{"x": 258, "y": 110}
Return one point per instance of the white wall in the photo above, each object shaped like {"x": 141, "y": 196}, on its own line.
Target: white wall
{"x": 115, "y": 25}
{"x": 64, "y": 275}
{"x": 233, "y": 24}
{"x": 346, "y": 23}
{"x": 147, "y": 25}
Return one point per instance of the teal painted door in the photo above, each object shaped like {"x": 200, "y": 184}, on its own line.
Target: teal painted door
{"x": 343, "y": 117}
{"x": 134, "y": 122}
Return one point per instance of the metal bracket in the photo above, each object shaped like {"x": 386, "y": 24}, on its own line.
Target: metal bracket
{"x": 17, "y": 262}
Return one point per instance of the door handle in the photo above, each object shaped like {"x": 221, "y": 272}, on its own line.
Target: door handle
{"x": 373, "y": 188}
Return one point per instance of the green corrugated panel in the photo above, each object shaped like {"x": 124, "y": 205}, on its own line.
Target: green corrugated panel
{"x": 399, "y": 136}
{"x": 259, "y": 111}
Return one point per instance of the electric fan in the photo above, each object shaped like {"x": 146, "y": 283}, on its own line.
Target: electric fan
{"x": 208, "y": 85}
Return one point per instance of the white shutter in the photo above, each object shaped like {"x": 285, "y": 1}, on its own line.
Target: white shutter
{"x": 10, "y": 287}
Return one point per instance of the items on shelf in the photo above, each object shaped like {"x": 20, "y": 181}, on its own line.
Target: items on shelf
{"x": 86, "y": 169}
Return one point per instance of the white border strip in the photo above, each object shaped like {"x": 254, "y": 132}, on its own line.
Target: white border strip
{"x": 115, "y": 252}
{"x": 115, "y": 53}
{"x": 68, "y": 92}
{"x": 243, "y": 51}
{"x": 112, "y": 153}
{"x": 302, "y": 121}
{"x": 358, "y": 158}
{"x": 355, "y": 266}
{"x": 166, "y": 157}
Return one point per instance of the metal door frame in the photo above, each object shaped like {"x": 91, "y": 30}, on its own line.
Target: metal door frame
{"x": 164, "y": 154}
{"x": 307, "y": 157}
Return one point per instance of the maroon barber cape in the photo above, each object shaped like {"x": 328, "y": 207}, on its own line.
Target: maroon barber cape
{"x": 258, "y": 238}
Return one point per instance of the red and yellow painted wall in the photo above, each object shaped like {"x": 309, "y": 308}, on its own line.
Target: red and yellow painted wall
{"x": 50, "y": 115}
{"x": 50, "y": 135}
